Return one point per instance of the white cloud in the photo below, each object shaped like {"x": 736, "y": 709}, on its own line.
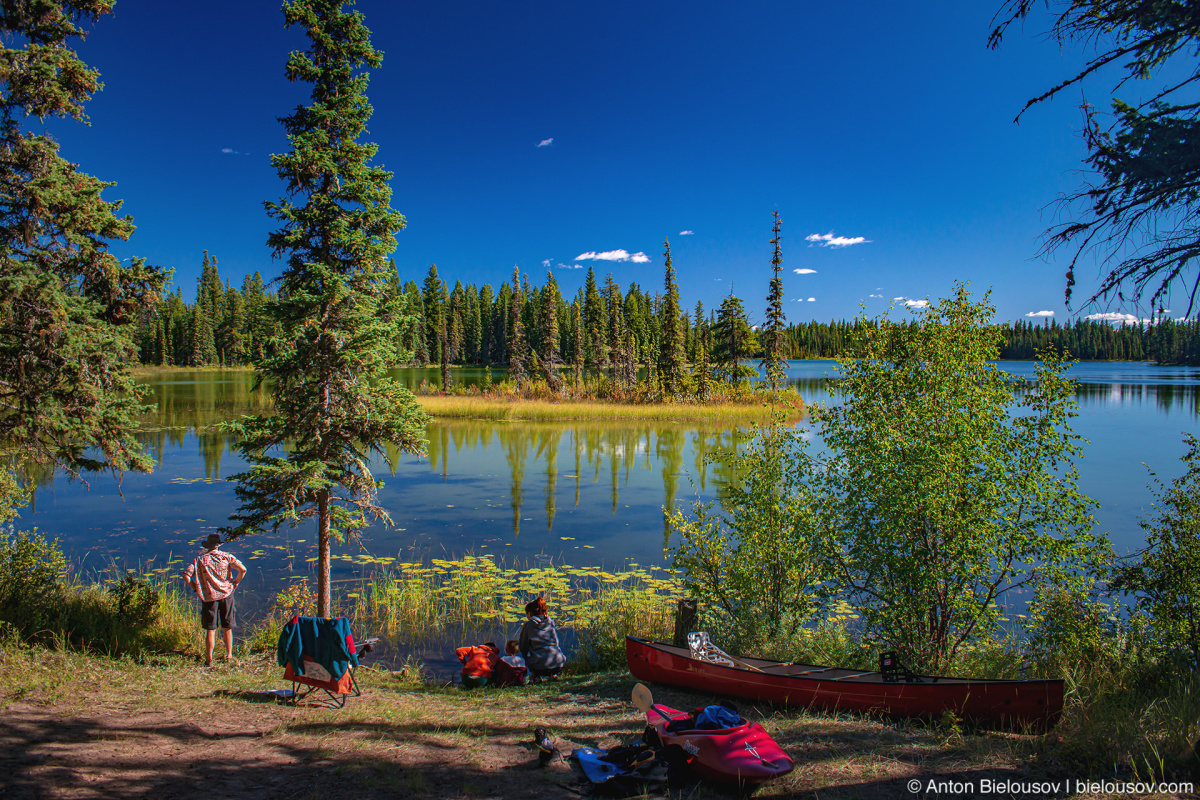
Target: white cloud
{"x": 232, "y": 152}
{"x": 686, "y": 233}
{"x": 561, "y": 265}
{"x": 803, "y": 300}
{"x": 805, "y": 271}
{"x": 812, "y": 299}
{"x": 829, "y": 240}
{"x": 546, "y": 142}
{"x": 1040, "y": 314}
{"x": 614, "y": 255}
{"x": 876, "y": 295}
{"x": 1117, "y": 317}
{"x": 917, "y": 303}
{"x": 899, "y": 299}
{"x": 547, "y": 262}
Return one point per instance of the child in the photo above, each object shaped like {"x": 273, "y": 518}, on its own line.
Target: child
{"x": 510, "y": 669}
{"x": 478, "y": 663}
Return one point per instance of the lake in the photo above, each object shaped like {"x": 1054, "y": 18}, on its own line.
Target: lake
{"x": 575, "y": 493}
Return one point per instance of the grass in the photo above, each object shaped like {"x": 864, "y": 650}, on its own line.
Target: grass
{"x": 153, "y": 369}
{"x": 1128, "y": 714}
{"x": 416, "y": 739}
{"x": 118, "y": 612}
{"x": 493, "y": 408}
{"x": 423, "y": 603}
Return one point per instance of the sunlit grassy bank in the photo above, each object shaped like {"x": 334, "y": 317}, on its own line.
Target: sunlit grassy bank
{"x": 117, "y": 612}
{"x": 474, "y": 598}
{"x": 548, "y": 411}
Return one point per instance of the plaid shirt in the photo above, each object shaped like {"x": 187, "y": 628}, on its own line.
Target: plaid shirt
{"x": 211, "y": 575}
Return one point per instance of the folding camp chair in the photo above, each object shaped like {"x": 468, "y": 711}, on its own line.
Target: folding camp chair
{"x": 316, "y": 676}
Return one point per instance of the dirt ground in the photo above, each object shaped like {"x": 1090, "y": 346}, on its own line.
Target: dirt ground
{"x": 79, "y": 727}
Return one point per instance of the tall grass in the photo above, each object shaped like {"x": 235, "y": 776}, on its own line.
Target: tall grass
{"x": 429, "y": 602}
{"x": 500, "y": 408}
{"x": 117, "y": 612}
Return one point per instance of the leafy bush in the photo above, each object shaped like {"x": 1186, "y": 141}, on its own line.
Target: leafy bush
{"x": 31, "y": 591}
{"x": 1166, "y": 576}
{"x": 134, "y": 615}
{"x": 759, "y": 561}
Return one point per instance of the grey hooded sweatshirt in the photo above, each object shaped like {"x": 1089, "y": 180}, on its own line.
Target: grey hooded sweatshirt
{"x": 539, "y": 645}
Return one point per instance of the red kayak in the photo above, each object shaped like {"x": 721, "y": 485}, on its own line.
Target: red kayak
{"x": 1033, "y": 705}
{"x": 745, "y": 754}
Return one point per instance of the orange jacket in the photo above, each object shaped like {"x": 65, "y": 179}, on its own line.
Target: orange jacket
{"x": 478, "y": 661}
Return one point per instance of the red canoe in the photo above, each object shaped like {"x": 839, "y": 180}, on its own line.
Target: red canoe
{"x": 1033, "y": 705}
{"x": 745, "y": 755}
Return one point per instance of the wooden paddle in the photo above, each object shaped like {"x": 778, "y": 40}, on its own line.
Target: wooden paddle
{"x": 645, "y": 701}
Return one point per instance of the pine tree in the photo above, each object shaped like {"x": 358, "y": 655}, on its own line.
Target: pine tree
{"x": 595, "y": 322}
{"x": 774, "y": 363}
{"x": 550, "y": 328}
{"x": 671, "y": 358}
{"x": 703, "y": 372}
{"x": 577, "y": 331}
{"x": 444, "y": 349}
{"x": 432, "y": 291}
{"x": 334, "y": 406}
{"x": 732, "y": 339}
{"x": 516, "y": 333}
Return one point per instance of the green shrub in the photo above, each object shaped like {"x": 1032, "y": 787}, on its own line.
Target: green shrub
{"x": 1166, "y": 575}
{"x": 134, "y": 615}
{"x": 31, "y": 588}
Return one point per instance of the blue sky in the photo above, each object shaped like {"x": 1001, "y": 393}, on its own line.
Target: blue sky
{"x": 531, "y": 133}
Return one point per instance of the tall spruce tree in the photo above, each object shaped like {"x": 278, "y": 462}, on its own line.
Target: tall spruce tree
{"x": 517, "y": 351}
{"x": 671, "y": 359}
{"x": 773, "y": 343}
{"x": 577, "y": 335}
{"x": 595, "y": 319}
{"x": 432, "y": 291}
{"x": 334, "y": 406}
{"x": 550, "y": 321}
{"x": 65, "y": 397}
{"x": 732, "y": 339}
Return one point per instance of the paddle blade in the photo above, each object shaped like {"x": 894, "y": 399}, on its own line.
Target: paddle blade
{"x": 642, "y": 698}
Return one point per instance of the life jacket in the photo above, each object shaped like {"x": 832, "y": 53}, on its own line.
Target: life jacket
{"x": 478, "y": 662}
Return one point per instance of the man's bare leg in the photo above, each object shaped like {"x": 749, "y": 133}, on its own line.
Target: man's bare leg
{"x": 210, "y": 641}
{"x": 228, "y": 634}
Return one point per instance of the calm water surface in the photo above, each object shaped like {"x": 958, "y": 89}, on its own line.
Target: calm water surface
{"x": 577, "y": 493}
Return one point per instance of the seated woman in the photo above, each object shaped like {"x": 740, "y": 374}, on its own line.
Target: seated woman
{"x": 478, "y": 663}
{"x": 539, "y": 643}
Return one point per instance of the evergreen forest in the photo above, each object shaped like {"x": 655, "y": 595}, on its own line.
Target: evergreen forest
{"x": 603, "y": 327}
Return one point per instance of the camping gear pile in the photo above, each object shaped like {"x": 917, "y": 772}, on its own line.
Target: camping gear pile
{"x": 712, "y": 743}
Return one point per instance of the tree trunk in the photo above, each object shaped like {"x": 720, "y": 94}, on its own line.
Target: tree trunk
{"x": 323, "y": 595}
{"x": 685, "y": 620}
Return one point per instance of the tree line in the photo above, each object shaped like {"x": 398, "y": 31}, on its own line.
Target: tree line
{"x": 604, "y": 326}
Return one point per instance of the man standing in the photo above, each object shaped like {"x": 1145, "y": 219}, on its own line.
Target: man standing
{"x": 212, "y": 577}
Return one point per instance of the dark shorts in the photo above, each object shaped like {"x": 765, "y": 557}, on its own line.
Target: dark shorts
{"x": 222, "y": 609}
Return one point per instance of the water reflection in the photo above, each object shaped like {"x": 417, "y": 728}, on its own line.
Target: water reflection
{"x": 595, "y": 452}
{"x": 582, "y": 492}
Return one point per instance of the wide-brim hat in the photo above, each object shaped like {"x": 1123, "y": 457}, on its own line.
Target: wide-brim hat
{"x": 212, "y": 541}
